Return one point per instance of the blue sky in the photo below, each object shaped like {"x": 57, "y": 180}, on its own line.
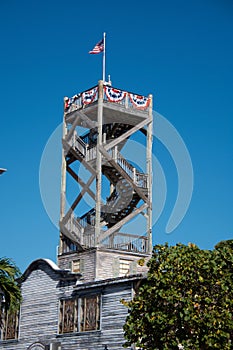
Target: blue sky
{"x": 180, "y": 51}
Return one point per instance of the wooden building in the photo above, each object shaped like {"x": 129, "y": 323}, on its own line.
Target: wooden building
{"x": 76, "y": 303}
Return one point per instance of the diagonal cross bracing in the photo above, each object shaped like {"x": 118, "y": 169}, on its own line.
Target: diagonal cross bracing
{"x": 119, "y": 224}
{"x": 127, "y": 133}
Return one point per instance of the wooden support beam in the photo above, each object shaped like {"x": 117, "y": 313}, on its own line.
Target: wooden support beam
{"x": 99, "y": 162}
{"x": 80, "y": 181}
{"x": 120, "y": 223}
{"x": 128, "y": 133}
{"x": 71, "y": 160}
{"x": 63, "y": 183}
{"x": 88, "y": 122}
{"x": 149, "y": 172}
{"x": 78, "y": 198}
{"x": 144, "y": 214}
{"x": 72, "y": 129}
{"x": 80, "y": 116}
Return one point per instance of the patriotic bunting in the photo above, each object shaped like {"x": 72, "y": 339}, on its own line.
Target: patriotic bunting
{"x": 89, "y": 96}
{"x": 114, "y": 95}
{"x": 111, "y": 94}
{"x": 140, "y": 102}
{"x": 69, "y": 101}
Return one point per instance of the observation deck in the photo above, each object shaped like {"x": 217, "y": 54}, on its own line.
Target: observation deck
{"x": 118, "y": 106}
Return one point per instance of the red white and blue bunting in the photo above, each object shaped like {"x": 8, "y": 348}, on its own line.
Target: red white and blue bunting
{"x": 114, "y": 95}
{"x": 140, "y": 102}
{"x": 69, "y": 101}
{"x": 89, "y": 96}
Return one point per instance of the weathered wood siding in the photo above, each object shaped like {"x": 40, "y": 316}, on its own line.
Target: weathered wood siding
{"x": 108, "y": 263}
{"x": 42, "y": 290}
{"x": 98, "y": 264}
{"x": 113, "y": 314}
{"x": 88, "y": 263}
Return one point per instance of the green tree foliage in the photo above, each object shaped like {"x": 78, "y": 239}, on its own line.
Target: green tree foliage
{"x": 9, "y": 289}
{"x": 186, "y": 301}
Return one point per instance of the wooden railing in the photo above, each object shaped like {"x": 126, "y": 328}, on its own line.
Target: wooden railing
{"x": 140, "y": 179}
{"x": 91, "y": 153}
{"x": 85, "y": 238}
{"x": 73, "y": 225}
{"x": 83, "y": 231}
{"x": 79, "y": 101}
{"x": 127, "y": 242}
{"x": 87, "y": 219}
{"x": 80, "y": 146}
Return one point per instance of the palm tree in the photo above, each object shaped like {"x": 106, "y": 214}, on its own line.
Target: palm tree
{"x": 10, "y": 293}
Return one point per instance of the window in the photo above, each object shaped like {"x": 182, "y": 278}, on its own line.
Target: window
{"x": 76, "y": 266}
{"x": 10, "y": 324}
{"x": 67, "y": 316}
{"x": 90, "y": 313}
{"x": 80, "y": 314}
{"x": 124, "y": 267}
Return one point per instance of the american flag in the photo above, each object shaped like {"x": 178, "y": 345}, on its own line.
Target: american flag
{"x": 99, "y": 47}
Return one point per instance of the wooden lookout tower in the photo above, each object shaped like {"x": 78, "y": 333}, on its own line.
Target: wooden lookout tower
{"x": 98, "y": 124}
{"x": 101, "y": 260}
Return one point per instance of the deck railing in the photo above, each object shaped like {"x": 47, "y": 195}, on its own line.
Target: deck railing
{"x": 80, "y": 146}
{"x": 74, "y": 226}
{"x": 86, "y": 238}
{"x": 84, "y": 232}
{"x": 126, "y": 99}
{"x": 127, "y": 242}
{"x": 140, "y": 179}
{"x": 87, "y": 219}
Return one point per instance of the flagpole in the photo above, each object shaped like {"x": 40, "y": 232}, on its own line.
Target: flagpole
{"x": 104, "y": 36}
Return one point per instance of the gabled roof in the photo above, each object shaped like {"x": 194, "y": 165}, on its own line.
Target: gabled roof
{"x": 43, "y": 263}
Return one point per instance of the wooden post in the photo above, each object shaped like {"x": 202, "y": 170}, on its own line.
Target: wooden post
{"x": 134, "y": 175}
{"x": 98, "y": 162}
{"x": 104, "y": 138}
{"x": 115, "y": 150}
{"x": 127, "y": 101}
{"x": 63, "y": 182}
{"x": 149, "y": 172}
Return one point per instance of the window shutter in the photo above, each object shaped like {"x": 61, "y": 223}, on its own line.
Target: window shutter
{"x": 115, "y": 267}
{"x": 82, "y": 265}
{"x": 133, "y": 268}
